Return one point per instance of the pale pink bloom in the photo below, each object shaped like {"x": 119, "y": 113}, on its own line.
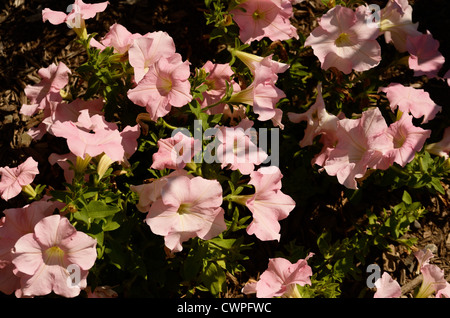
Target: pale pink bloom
{"x": 387, "y": 287}
{"x": 425, "y": 58}
{"x": 188, "y": 208}
{"x": 433, "y": 281}
{"x": 264, "y": 18}
{"x": 42, "y": 258}
{"x": 175, "y": 152}
{"x": 361, "y": 144}
{"x": 237, "y": 149}
{"x": 396, "y": 23}
{"x": 268, "y": 204}
{"x": 318, "y": 120}
{"x": 164, "y": 86}
{"x": 411, "y": 100}
{"x": 150, "y": 192}
{"x": 262, "y": 93}
{"x": 345, "y": 40}
{"x": 14, "y": 179}
{"x": 442, "y": 147}
{"x": 216, "y": 80}
{"x": 253, "y": 60}
{"x": 281, "y": 278}
{"x": 117, "y": 37}
{"x": 147, "y": 50}
{"x": 407, "y": 139}
{"x": 79, "y": 10}
{"x": 54, "y": 78}
{"x": 60, "y": 111}
{"x": 91, "y": 136}
{"x": 16, "y": 223}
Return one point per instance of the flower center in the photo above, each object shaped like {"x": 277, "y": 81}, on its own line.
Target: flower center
{"x": 343, "y": 40}
{"x": 258, "y": 15}
{"x": 184, "y": 208}
{"x": 53, "y": 255}
{"x": 164, "y": 86}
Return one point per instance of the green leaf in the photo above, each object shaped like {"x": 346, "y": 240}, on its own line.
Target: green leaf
{"x": 406, "y": 198}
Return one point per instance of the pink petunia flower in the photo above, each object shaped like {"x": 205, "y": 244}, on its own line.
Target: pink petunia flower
{"x": 150, "y": 192}
{"x": 253, "y": 60}
{"x": 433, "y": 281}
{"x": 345, "y": 40}
{"x": 188, "y": 208}
{"x": 396, "y": 23}
{"x": 44, "y": 258}
{"x": 444, "y": 292}
{"x": 281, "y": 278}
{"x": 14, "y": 179}
{"x": 264, "y": 18}
{"x": 442, "y": 147}
{"x": 387, "y": 287}
{"x": 425, "y": 58}
{"x": 318, "y": 120}
{"x": 361, "y": 144}
{"x": 54, "y": 78}
{"x": 79, "y": 10}
{"x": 411, "y": 100}
{"x": 117, "y": 37}
{"x": 164, "y": 86}
{"x": 407, "y": 139}
{"x": 262, "y": 93}
{"x": 268, "y": 205}
{"x": 146, "y": 50}
{"x": 16, "y": 223}
{"x": 219, "y": 75}
{"x": 60, "y": 111}
{"x": 237, "y": 149}
{"x": 91, "y": 136}
{"x": 175, "y": 152}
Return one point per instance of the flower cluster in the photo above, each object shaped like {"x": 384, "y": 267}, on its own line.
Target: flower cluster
{"x": 164, "y": 155}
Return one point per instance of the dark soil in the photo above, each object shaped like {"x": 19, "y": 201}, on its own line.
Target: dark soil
{"x": 27, "y": 44}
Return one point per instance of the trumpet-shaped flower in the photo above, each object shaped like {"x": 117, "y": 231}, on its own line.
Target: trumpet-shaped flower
{"x": 16, "y": 223}
{"x": 361, "y": 144}
{"x": 91, "y": 136}
{"x": 264, "y": 18}
{"x": 14, "y": 179}
{"x": 425, "y": 58}
{"x": 433, "y": 281}
{"x": 42, "y": 258}
{"x": 147, "y": 50}
{"x": 396, "y": 23}
{"x": 175, "y": 152}
{"x": 318, "y": 120}
{"x": 262, "y": 93}
{"x": 268, "y": 205}
{"x": 117, "y": 37}
{"x": 163, "y": 86}
{"x": 345, "y": 40}
{"x": 53, "y": 79}
{"x": 407, "y": 139}
{"x": 150, "y": 192}
{"x": 219, "y": 76}
{"x": 387, "y": 287}
{"x": 188, "y": 207}
{"x": 281, "y": 278}
{"x": 79, "y": 10}
{"x": 237, "y": 149}
{"x": 411, "y": 100}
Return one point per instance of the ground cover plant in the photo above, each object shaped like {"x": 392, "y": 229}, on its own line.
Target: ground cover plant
{"x": 301, "y": 154}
